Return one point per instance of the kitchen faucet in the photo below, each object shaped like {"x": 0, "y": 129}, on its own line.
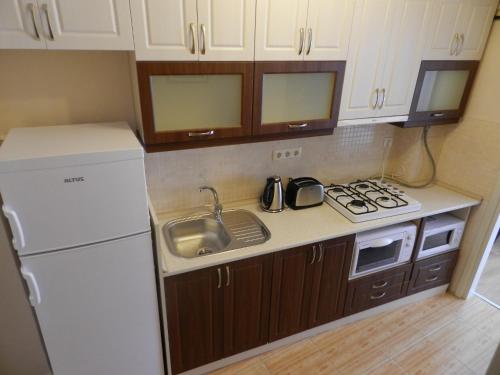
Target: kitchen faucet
{"x": 217, "y": 205}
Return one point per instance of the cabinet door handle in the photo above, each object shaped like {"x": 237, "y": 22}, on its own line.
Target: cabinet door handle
{"x": 460, "y": 45}
{"x": 201, "y": 134}
{"x": 219, "y": 284}
{"x": 383, "y": 99}
{"x": 431, "y": 279}
{"x": 228, "y": 276}
{"x": 378, "y": 286}
{"x": 31, "y": 9}
{"x": 45, "y": 9}
{"x": 437, "y": 268}
{"x": 374, "y": 106}
{"x": 378, "y": 296}
{"x": 321, "y": 251}
{"x": 298, "y": 126}
{"x": 301, "y": 41}
{"x": 203, "y": 32}
{"x": 314, "y": 254}
{"x": 193, "y": 32}
{"x": 310, "y": 37}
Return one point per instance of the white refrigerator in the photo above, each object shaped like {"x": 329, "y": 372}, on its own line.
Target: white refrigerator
{"x": 75, "y": 198}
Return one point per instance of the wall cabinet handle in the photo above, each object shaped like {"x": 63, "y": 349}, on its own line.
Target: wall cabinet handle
{"x": 383, "y": 99}
{"x": 378, "y": 286}
{"x": 460, "y": 45}
{"x": 437, "y": 268}
{"x": 193, "y": 32}
{"x": 454, "y": 45}
{"x": 434, "y": 278}
{"x": 45, "y": 9}
{"x": 203, "y": 44}
{"x": 374, "y": 106}
{"x": 31, "y": 9}
{"x": 314, "y": 254}
{"x": 310, "y": 37}
{"x": 201, "y": 134}
{"x": 298, "y": 126}
{"x": 378, "y": 296}
{"x": 228, "y": 276}
{"x": 219, "y": 284}
{"x": 301, "y": 41}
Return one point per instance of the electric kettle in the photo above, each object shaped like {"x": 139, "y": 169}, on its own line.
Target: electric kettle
{"x": 272, "y": 197}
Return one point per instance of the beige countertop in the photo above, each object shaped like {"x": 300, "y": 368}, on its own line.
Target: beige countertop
{"x": 292, "y": 228}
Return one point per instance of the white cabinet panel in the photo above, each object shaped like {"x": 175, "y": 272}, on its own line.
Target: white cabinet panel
{"x": 476, "y": 27}
{"x": 226, "y": 29}
{"x": 367, "y": 53}
{"x": 20, "y": 25}
{"x": 329, "y": 26}
{"x": 280, "y": 28}
{"x": 165, "y": 29}
{"x": 403, "y": 61}
{"x": 89, "y": 24}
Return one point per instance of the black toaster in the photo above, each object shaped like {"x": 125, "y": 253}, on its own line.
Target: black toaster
{"x": 304, "y": 192}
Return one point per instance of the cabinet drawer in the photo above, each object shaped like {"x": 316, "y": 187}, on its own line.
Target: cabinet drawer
{"x": 432, "y": 272}
{"x": 377, "y": 289}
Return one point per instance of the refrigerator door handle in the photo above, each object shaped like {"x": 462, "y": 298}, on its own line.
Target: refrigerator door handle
{"x": 17, "y": 231}
{"x": 34, "y": 297}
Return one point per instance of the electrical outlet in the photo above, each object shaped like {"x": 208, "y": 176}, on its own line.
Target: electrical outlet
{"x": 287, "y": 153}
{"x": 387, "y": 142}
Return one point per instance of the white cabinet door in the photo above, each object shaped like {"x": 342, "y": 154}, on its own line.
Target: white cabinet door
{"x": 280, "y": 29}
{"x": 475, "y": 28}
{"x": 408, "y": 39}
{"x": 20, "y": 25}
{"x": 226, "y": 29}
{"x": 328, "y": 29}
{"x": 87, "y": 25}
{"x": 165, "y": 29}
{"x": 368, "y": 49}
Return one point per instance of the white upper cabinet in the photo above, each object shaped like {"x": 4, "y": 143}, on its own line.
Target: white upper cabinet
{"x": 191, "y": 30}
{"x": 68, "y": 24}
{"x": 385, "y": 52}
{"x": 303, "y": 29}
{"x": 459, "y": 29}
{"x": 20, "y": 25}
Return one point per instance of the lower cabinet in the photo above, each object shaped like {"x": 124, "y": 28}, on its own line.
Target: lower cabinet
{"x": 431, "y": 272}
{"x": 219, "y": 311}
{"x": 377, "y": 289}
{"x": 309, "y": 284}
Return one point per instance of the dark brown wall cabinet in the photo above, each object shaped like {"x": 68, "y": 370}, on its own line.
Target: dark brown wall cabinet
{"x": 441, "y": 92}
{"x": 309, "y": 284}
{"x": 216, "y": 312}
{"x": 431, "y": 272}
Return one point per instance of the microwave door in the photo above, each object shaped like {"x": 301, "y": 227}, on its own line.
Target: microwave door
{"x": 377, "y": 254}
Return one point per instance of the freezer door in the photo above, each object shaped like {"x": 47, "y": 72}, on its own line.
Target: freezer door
{"x": 97, "y": 307}
{"x": 58, "y": 208}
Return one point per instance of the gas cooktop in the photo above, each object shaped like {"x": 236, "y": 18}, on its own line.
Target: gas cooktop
{"x": 365, "y": 200}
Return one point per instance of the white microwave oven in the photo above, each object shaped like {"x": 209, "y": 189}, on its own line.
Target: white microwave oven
{"x": 439, "y": 234}
{"x": 383, "y": 248}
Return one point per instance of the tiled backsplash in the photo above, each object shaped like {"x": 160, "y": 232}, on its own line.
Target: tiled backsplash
{"x": 239, "y": 171}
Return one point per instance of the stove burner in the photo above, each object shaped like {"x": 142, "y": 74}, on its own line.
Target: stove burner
{"x": 362, "y": 186}
{"x": 357, "y": 203}
{"x": 384, "y": 198}
{"x": 338, "y": 189}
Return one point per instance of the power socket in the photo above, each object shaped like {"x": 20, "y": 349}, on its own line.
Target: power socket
{"x": 288, "y": 153}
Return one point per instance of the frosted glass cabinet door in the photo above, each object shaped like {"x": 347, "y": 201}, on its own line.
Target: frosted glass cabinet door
{"x": 296, "y": 96}
{"x": 195, "y": 101}
{"x": 20, "y": 25}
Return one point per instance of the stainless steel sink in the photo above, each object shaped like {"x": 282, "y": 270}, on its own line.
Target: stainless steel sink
{"x": 194, "y": 236}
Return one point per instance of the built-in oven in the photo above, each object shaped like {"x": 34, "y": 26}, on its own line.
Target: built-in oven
{"x": 439, "y": 234}
{"x": 383, "y": 248}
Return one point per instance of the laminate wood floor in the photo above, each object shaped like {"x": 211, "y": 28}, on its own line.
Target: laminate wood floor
{"x": 442, "y": 335}
{"x": 489, "y": 284}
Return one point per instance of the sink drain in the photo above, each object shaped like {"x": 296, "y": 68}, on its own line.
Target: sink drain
{"x": 204, "y": 251}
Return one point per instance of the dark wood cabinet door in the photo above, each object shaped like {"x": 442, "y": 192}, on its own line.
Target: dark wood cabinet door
{"x": 431, "y": 272}
{"x": 290, "y": 296}
{"x": 247, "y": 298}
{"x": 195, "y": 318}
{"x": 331, "y": 272}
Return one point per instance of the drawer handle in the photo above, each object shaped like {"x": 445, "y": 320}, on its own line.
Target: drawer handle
{"x": 431, "y": 279}
{"x": 435, "y": 269}
{"x": 377, "y": 286}
{"x": 202, "y": 134}
{"x": 298, "y": 126}
{"x": 378, "y": 296}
